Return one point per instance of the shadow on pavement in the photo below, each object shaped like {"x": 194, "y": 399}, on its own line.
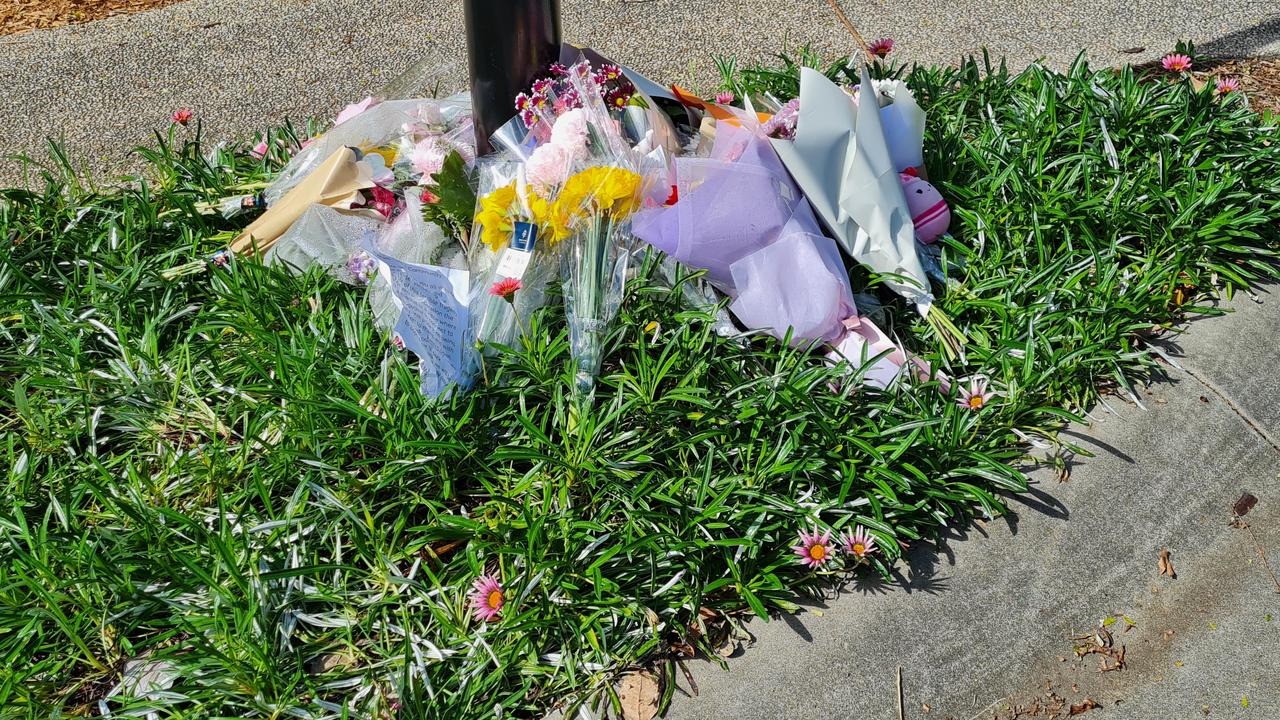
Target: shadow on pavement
{"x": 1244, "y": 42}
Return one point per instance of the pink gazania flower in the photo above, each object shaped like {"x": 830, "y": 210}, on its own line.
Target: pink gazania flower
{"x": 814, "y": 549}
{"x": 506, "y": 289}
{"x": 858, "y": 543}
{"x": 976, "y": 396}
{"x": 183, "y": 116}
{"x": 1226, "y": 86}
{"x": 1176, "y": 63}
{"x": 881, "y": 48}
{"x": 487, "y": 598}
{"x": 725, "y": 98}
{"x": 260, "y": 150}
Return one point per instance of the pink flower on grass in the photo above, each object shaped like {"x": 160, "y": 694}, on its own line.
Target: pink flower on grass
{"x": 183, "y": 116}
{"x": 353, "y": 110}
{"x": 1176, "y": 63}
{"x": 858, "y": 543}
{"x": 487, "y": 598}
{"x": 976, "y": 396}
{"x": 1226, "y": 86}
{"x": 814, "y": 549}
{"x": 260, "y": 150}
{"x": 506, "y": 289}
{"x": 881, "y": 48}
{"x": 725, "y": 98}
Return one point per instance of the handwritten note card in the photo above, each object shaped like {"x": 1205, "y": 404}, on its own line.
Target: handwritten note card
{"x": 433, "y": 318}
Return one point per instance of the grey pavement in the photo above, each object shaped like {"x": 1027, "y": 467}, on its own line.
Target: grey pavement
{"x": 987, "y": 622}
{"x": 244, "y": 65}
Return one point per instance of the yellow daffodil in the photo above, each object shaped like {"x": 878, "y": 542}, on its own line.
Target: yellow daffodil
{"x": 494, "y": 217}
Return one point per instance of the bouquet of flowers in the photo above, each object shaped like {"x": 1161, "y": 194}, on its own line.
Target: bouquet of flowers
{"x": 514, "y": 250}
{"x": 843, "y": 154}
{"x": 739, "y": 216}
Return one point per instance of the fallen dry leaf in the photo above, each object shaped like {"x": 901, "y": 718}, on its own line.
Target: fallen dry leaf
{"x": 1166, "y": 566}
{"x": 1244, "y": 504}
{"x": 1084, "y": 707}
{"x": 639, "y": 692}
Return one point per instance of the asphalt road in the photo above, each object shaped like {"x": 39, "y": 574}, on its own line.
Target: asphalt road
{"x": 243, "y": 65}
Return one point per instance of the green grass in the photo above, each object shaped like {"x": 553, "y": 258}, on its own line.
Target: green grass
{"x": 232, "y": 473}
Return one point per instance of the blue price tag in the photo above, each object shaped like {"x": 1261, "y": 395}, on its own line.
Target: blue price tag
{"x": 524, "y": 237}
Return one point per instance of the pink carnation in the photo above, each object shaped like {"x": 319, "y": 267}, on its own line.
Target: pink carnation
{"x": 570, "y": 130}
{"x": 548, "y": 165}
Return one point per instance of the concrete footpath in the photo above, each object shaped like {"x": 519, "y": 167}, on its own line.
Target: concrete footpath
{"x": 245, "y": 65}
{"x": 986, "y": 624}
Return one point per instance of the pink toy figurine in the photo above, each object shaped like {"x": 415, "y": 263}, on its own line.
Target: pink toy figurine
{"x": 929, "y": 212}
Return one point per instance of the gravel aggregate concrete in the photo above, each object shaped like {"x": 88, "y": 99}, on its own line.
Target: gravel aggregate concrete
{"x": 244, "y": 65}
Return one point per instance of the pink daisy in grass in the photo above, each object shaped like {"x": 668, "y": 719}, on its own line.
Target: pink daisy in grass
{"x": 858, "y": 543}
{"x": 1226, "y": 85}
{"x": 1176, "y": 63}
{"x": 487, "y": 598}
{"x": 814, "y": 549}
{"x": 976, "y": 395}
{"x": 506, "y": 289}
{"x": 183, "y": 116}
{"x": 881, "y": 48}
{"x": 725, "y": 98}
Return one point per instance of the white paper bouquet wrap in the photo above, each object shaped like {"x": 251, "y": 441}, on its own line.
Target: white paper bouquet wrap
{"x": 844, "y": 161}
{"x": 841, "y": 161}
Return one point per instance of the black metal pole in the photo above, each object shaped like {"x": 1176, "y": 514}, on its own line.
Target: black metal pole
{"x": 509, "y": 43}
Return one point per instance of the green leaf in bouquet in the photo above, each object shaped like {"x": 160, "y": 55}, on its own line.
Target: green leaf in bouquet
{"x": 456, "y": 199}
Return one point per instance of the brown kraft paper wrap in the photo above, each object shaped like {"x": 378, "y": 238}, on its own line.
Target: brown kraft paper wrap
{"x": 336, "y": 183}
